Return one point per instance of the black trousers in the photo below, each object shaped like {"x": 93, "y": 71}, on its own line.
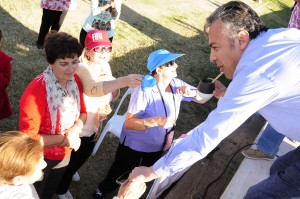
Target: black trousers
{"x": 53, "y": 173}
{"x": 126, "y": 159}
{"x": 50, "y": 19}
{"x": 78, "y": 158}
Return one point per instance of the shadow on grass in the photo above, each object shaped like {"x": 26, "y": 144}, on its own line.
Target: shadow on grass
{"x": 19, "y": 43}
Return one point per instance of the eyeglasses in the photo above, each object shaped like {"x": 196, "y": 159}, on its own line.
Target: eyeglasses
{"x": 100, "y": 49}
{"x": 170, "y": 63}
{"x": 123, "y": 178}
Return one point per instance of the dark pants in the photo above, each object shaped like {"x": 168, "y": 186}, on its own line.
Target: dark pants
{"x": 53, "y": 173}
{"x": 83, "y": 34}
{"x": 78, "y": 158}
{"x": 283, "y": 182}
{"x": 126, "y": 159}
{"x": 50, "y": 19}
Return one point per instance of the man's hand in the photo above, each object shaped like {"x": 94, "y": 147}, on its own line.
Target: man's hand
{"x": 133, "y": 80}
{"x": 131, "y": 190}
{"x": 142, "y": 174}
{"x": 220, "y": 89}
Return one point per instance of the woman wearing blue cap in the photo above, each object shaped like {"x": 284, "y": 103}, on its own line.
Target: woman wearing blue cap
{"x": 152, "y": 113}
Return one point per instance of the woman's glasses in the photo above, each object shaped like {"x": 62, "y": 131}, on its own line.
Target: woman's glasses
{"x": 100, "y": 49}
{"x": 170, "y": 63}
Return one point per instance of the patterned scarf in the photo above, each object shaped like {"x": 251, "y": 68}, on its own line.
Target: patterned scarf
{"x": 62, "y": 103}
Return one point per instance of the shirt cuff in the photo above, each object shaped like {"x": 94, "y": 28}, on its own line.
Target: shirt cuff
{"x": 158, "y": 168}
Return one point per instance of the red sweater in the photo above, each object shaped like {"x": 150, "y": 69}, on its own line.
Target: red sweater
{"x": 5, "y": 74}
{"x": 35, "y": 117}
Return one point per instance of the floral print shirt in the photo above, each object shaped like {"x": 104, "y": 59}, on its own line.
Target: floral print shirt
{"x": 59, "y": 5}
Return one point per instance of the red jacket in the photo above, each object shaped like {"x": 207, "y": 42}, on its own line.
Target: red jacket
{"x": 5, "y": 74}
{"x": 35, "y": 117}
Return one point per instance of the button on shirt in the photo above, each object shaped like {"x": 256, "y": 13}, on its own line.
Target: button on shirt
{"x": 267, "y": 80}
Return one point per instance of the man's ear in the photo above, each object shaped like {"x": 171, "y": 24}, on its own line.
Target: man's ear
{"x": 244, "y": 39}
{"x": 18, "y": 180}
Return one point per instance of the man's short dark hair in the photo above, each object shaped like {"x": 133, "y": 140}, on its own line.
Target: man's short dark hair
{"x": 60, "y": 45}
{"x": 236, "y": 16}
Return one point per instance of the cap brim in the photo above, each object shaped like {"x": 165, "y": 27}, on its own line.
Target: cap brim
{"x": 102, "y": 43}
{"x": 168, "y": 58}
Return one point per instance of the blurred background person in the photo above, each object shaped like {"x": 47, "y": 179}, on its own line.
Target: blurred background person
{"x": 54, "y": 13}
{"x": 295, "y": 16}
{"x": 103, "y": 15}
{"x": 5, "y": 75}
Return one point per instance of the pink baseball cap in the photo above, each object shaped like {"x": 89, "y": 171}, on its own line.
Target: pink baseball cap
{"x": 96, "y": 38}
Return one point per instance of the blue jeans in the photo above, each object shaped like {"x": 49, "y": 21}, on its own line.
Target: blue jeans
{"x": 283, "y": 182}
{"x": 269, "y": 141}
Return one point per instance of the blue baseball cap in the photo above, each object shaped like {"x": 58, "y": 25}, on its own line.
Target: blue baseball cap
{"x": 155, "y": 60}
{"x": 159, "y": 58}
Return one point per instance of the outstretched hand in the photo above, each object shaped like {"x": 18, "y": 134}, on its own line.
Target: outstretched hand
{"x": 131, "y": 190}
{"x": 133, "y": 80}
{"x": 186, "y": 91}
{"x": 142, "y": 174}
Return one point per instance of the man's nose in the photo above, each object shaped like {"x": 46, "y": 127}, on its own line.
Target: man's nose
{"x": 212, "y": 57}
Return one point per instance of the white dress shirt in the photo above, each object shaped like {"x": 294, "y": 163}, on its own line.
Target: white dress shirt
{"x": 267, "y": 80}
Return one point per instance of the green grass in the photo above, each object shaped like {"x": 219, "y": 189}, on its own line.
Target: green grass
{"x": 144, "y": 26}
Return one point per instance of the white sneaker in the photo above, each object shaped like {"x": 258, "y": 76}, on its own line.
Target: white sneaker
{"x": 67, "y": 195}
{"x": 76, "y": 177}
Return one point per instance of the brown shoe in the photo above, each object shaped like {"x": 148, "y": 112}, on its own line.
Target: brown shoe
{"x": 256, "y": 154}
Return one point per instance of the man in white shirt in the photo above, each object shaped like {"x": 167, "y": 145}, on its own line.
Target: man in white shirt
{"x": 264, "y": 66}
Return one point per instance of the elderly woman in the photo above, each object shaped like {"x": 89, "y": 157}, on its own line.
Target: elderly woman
{"x": 100, "y": 88}
{"x": 151, "y": 117}
{"x": 52, "y": 109}
{"x": 18, "y": 173}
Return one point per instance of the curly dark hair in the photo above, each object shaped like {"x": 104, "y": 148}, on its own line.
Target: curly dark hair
{"x": 60, "y": 45}
{"x": 236, "y": 16}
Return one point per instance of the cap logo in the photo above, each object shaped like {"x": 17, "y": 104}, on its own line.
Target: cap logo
{"x": 97, "y": 36}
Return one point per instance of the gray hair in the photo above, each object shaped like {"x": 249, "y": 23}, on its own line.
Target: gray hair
{"x": 236, "y": 16}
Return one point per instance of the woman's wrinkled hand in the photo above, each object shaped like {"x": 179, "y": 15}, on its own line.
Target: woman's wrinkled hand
{"x": 165, "y": 122}
{"x": 72, "y": 137}
{"x": 133, "y": 80}
{"x": 186, "y": 91}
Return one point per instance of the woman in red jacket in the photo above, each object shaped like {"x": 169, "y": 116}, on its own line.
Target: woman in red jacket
{"x": 5, "y": 74}
{"x": 52, "y": 109}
